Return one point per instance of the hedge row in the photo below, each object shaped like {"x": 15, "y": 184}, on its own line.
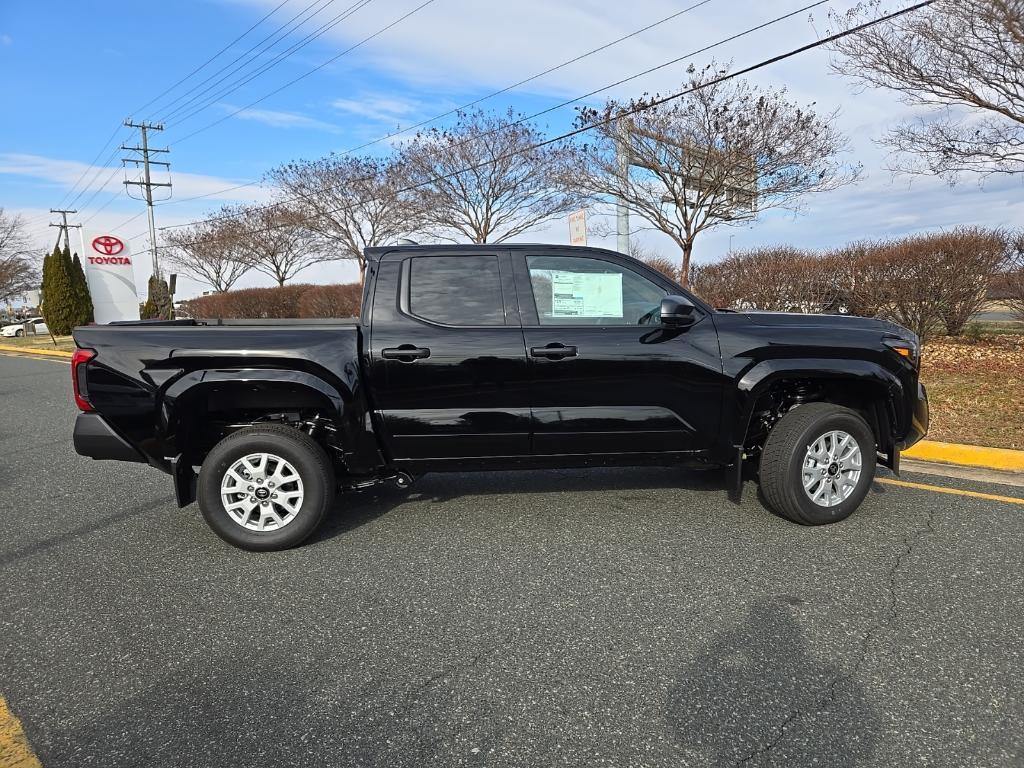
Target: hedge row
{"x": 928, "y": 283}
{"x": 301, "y": 301}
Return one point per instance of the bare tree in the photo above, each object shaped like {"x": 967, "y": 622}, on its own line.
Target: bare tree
{"x": 209, "y": 252}
{"x": 352, "y": 202}
{"x": 485, "y": 179}
{"x": 958, "y": 59}
{"x": 274, "y": 240}
{"x": 19, "y": 269}
{"x": 717, "y": 155}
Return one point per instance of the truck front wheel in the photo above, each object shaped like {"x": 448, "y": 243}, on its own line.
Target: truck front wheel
{"x": 265, "y": 487}
{"x": 818, "y": 463}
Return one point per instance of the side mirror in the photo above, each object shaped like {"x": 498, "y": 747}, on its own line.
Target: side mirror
{"x": 678, "y": 312}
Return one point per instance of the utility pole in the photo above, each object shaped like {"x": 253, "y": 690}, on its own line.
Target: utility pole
{"x": 64, "y": 226}
{"x": 146, "y": 183}
{"x": 622, "y": 163}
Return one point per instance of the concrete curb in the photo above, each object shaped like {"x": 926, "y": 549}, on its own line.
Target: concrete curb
{"x": 967, "y": 455}
{"x": 34, "y": 351}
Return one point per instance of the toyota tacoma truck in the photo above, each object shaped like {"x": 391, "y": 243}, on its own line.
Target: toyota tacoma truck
{"x": 486, "y": 357}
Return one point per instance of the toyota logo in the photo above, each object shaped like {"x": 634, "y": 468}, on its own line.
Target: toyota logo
{"x": 107, "y": 244}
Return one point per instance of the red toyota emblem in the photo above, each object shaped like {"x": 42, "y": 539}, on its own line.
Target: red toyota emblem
{"x": 107, "y": 244}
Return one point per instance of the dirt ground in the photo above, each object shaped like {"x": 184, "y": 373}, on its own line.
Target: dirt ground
{"x": 976, "y": 390}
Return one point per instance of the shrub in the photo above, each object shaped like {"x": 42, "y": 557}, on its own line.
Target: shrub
{"x": 779, "y": 278}
{"x": 331, "y": 301}
{"x": 666, "y": 266}
{"x": 61, "y": 301}
{"x": 288, "y": 301}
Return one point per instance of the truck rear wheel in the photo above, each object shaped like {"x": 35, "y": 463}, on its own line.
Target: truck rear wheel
{"x": 266, "y": 487}
{"x": 818, "y": 463}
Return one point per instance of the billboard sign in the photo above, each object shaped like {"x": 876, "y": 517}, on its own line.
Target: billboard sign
{"x": 111, "y": 278}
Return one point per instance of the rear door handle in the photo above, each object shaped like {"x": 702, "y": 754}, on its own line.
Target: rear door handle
{"x": 553, "y": 351}
{"x": 406, "y": 353}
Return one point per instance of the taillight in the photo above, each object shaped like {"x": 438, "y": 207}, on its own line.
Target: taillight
{"x": 78, "y": 383}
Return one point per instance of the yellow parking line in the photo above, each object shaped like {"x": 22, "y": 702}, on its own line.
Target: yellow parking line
{"x": 15, "y": 751}
{"x": 33, "y": 357}
{"x": 953, "y": 491}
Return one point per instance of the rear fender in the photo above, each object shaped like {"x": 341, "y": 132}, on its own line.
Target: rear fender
{"x": 184, "y": 402}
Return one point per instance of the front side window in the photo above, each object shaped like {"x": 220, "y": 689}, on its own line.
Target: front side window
{"x": 574, "y": 290}
{"x": 456, "y": 290}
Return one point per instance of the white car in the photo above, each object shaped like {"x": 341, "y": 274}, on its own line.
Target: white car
{"x": 35, "y": 325}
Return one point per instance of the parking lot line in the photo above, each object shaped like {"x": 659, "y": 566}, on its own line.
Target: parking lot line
{"x": 15, "y": 751}
{"x": 953, "y": 491}
{"x": 35, "y": 357}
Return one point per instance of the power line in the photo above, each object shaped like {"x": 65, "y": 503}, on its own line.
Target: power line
{"x": 506, "y": 89}
{"x": 482, "y": 99}
{"x": 628, "y": 112}
{"x": 146, "y": 183}
{"x": 248, "y": 78}
{"x": 292, "y": 82}
{"x": 98, "y": 170}
{"x": 212, "y": 58}
{"x": 548, "y": 110}
{"x": 274, "y": 37}
{"x": 99, "y": 189}
{"x": 167, "y": 90}
{"x": 91, "y": 164}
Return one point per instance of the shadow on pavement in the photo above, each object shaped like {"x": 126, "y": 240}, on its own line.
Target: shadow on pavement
{"x": 357, "y": 508}
{"x": 99, "y": 524}
{"x": 758, "y": 696}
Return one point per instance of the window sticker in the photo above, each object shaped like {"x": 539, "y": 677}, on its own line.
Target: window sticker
{"x": 586, "y": 294}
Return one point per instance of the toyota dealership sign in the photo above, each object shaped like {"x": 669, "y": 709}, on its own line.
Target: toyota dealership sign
{"x": 108, "y": 268}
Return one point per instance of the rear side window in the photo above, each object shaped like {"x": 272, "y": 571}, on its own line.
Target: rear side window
{"x": 456, "y": 290}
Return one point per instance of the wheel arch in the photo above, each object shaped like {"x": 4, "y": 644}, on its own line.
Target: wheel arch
{"x": 190, "y": 401}
{"x": 860, "y": 385}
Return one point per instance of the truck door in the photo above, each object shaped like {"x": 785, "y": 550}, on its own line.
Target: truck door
{"x": 447, "y": 357}
{"x": 606, "y": 377}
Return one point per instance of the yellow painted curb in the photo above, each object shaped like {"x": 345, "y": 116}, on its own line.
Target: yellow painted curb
{"x": 34, "y": 351}
{"x": 15, "y": 751}
{"x": 967, "y": 455}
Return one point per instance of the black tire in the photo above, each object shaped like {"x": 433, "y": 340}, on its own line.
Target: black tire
{"x": 19, "y": 333}
{"x": 783, "y": 456}
{"x": 297, "y": 448}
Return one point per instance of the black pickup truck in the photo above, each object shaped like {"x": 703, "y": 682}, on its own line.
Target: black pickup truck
{"x": 497, "y": 357}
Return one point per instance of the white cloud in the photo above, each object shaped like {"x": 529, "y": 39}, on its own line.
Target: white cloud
{"x": 383, "y": 109}
{"x": 277, "y": 119}
{"x": 63, "y": 175}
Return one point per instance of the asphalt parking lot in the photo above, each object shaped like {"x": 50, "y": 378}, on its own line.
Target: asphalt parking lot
{"x": 623, "y": 618}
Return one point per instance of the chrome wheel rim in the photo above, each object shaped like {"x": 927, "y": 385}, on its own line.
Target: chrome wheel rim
{"x": 831, "y": 468}
{"x": 262, "y": 492}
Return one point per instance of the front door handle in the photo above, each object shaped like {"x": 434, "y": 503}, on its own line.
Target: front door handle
{"x": 406, "y": 353}
{"x": 553, "y": 351}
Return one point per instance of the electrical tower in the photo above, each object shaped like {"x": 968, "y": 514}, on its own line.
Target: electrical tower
{"x": 64, "y": 227}
{"x": 146, "y": 183}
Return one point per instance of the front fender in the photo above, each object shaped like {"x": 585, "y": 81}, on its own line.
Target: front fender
{"x": 756, "y": 380}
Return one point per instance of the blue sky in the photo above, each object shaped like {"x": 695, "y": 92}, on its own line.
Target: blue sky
{"x": 70, "y": 72}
